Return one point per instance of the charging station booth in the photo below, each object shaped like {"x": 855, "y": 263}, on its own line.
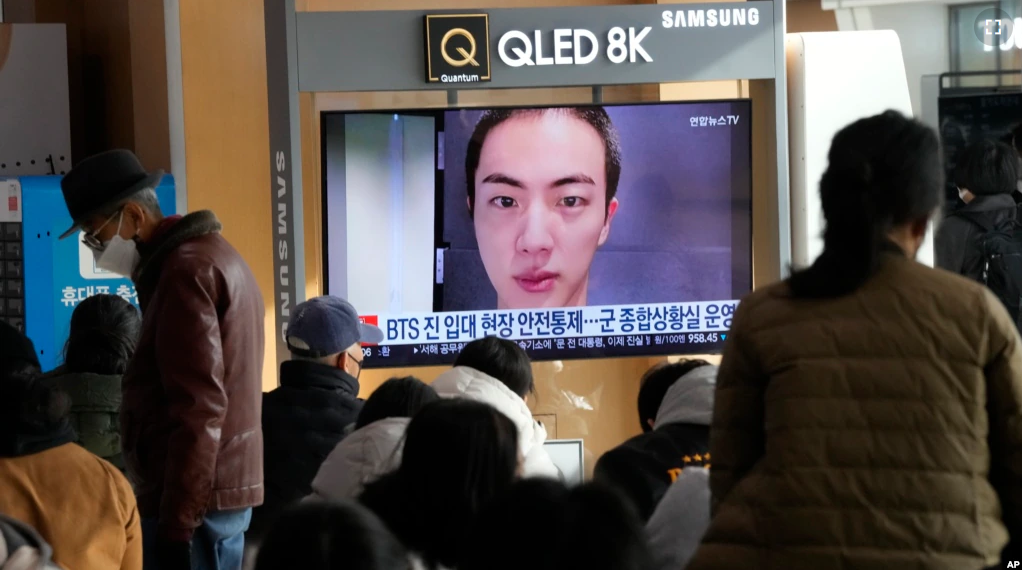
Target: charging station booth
{"x": 57, "y": 274}
{"x": 597, "y": 47}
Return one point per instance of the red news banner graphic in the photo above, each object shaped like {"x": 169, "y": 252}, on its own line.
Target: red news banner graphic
{"x": 370, "y": 320}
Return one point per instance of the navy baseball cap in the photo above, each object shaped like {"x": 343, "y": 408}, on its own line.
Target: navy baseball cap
{"x": 327, "y": 325}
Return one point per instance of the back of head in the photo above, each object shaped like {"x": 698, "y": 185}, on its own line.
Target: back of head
{"x": 396, "y": 398}
{"x": 458, "y": 455}
{"x": 587, "y": 527}
{"x": 654, "y": 386}
{"x": 331, "y": 536}
{"x": 27, "y": 404}
{"x": 501, "y": 359}
{"x": 464, "y": 447}
{"x": 18, "y": 355}
{"x": 883, "y": 172}
{"x": 104, "y": 333}
{"x": 30, "y": 409}
{"x": 987, "y": 168}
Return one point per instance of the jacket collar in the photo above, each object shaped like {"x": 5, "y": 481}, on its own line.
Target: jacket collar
{"x": 89, "y": 392}
{"x": 990, "y": 203}
{"x": 23, "y": 439}
{"x": 308, "y": 374}
{"x": 189, "y": 227}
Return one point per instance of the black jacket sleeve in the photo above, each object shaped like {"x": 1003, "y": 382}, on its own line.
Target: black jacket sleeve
{"x": 620, "y": 469}
{"x": 957, "y": 248}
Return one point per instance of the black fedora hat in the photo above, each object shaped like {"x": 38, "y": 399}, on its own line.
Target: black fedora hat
{"x": 101, "y": 181}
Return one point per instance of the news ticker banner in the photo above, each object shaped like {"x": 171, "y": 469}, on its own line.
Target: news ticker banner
{"x": 579, "y": 332}
{"x": 535, "y": 47}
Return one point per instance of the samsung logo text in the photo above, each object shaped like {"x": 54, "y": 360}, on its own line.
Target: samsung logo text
{"x": 723, "y": 17}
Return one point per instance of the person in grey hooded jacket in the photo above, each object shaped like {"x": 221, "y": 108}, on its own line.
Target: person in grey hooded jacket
{"x": 675, "y": 408}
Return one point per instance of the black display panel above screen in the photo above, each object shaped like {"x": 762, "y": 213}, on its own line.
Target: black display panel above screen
{"x": 970, "y": 118}
{"x": 579, "y": 232}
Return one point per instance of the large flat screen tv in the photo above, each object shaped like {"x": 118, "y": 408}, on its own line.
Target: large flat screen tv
{"x": 578, "y": 232}
{"x": 969, "y": 118}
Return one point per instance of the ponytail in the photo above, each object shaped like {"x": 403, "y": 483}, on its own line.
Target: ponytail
{"x": 883, "y": 171}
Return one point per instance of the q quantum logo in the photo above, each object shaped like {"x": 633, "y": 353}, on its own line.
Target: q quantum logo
{"x": 457, "y": 48}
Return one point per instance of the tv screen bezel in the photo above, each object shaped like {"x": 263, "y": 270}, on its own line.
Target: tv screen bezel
{"x": 438, "y": 112}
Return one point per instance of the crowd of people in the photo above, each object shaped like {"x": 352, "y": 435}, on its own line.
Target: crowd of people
{"x": 866, "y": 413}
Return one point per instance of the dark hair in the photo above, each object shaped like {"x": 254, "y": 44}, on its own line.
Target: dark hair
{"x": 588, "y": 527}
{"x": 656, "y": 382}
{"x": 329, "y": 536}
{"x": 29, "y": 405}
{"x": 396, "y": 398}
{"x": 594, "y": 116}
{"x": 18, "y": 353}
{"x": 501, "y": 359}
{"x": 458, "y": 456}
{"x": 104, "y": 333}
{"x": 987, "y": 167}
{"x": 1016, "y": 138}
{"x": 882, "y": 172}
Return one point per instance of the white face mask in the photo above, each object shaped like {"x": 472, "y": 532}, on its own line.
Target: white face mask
{"x": 120, "y": 255}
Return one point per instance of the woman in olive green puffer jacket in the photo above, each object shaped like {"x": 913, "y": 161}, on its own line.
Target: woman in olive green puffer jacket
{"x": 104, "y": 332}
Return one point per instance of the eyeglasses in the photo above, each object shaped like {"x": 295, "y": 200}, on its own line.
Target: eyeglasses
{"x": 89, "y": 238}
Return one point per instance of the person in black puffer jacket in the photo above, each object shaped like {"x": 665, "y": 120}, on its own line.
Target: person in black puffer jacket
{"x": 305, "y": 418}
{"x": 986, "y": 173}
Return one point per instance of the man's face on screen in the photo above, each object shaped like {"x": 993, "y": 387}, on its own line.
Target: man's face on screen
{"x": 541, "y": 209}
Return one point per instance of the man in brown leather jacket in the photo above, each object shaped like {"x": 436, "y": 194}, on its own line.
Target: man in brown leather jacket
{"x": 192, "y": 394}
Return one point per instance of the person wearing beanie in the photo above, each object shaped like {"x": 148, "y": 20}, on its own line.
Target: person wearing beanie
{"x": 986, "y": 173}
{"x": 675, "y": 410}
